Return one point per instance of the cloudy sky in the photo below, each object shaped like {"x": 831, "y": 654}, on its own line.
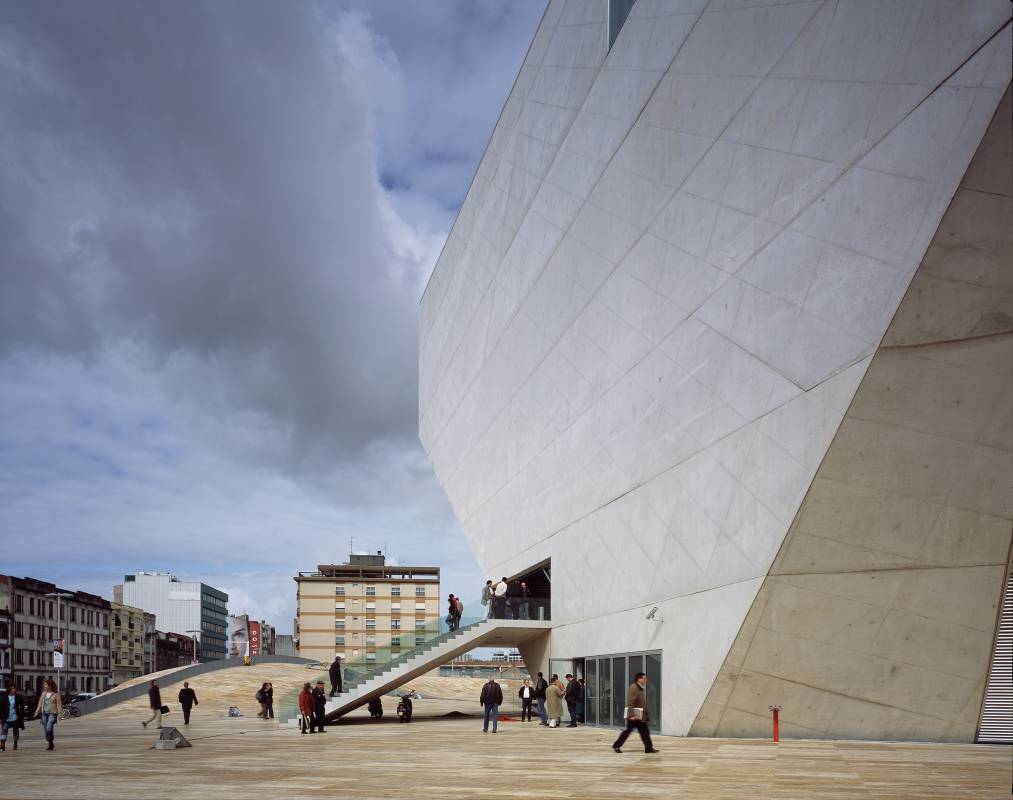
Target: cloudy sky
{"x": 216, "y": 220}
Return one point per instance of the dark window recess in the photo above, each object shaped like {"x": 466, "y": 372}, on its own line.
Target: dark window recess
{"x": 619, "y": 10}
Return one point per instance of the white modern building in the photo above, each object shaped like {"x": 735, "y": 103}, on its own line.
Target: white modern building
{"x": 720, "y": 349}
{"x": 181, "y": 607}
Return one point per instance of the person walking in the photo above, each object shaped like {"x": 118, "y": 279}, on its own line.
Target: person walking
{"x": 527, "y": 695}
{"x": 306, "y": 709}
{"x": 187, "y": 700}
{"x": 491, "y": 699}
{"x": 155, "y": 701}
{"x": 319, "y": 707}
{"x": 554, "y": 701}
{"x": 270, "y": 701}
{"x": 540, "y": 687}
{"x": 262, "y": 699}
{"x": 487, "y": 593}
{"x": 572, "y": 695}
{"x": 334, "y": 673}
{"x": 499, "y": 599}
{"x": 48, "y": 710}
{"x": 12, "y": 716}
{"x": 636, "y": 715}
{"x": 580, "y": 701}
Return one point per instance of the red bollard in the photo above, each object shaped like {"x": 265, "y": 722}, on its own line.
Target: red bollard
{"x": 777, "y": 736}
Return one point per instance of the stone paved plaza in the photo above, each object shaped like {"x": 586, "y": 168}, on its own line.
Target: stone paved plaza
{"x": 109, "y": 755}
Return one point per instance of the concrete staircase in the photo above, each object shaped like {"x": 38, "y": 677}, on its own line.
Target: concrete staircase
{"x": 390, "y": 676}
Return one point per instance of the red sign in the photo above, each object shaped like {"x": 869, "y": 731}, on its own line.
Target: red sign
{"x": 254, "y": 638}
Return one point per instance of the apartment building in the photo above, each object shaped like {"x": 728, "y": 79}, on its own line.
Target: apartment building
{"x": 364, "y": 610}
{"x": 127, "y": 642}
{"x": 6, "y": 631}
{"x": 173, "y": 650}
{"x": 41, "y": 614}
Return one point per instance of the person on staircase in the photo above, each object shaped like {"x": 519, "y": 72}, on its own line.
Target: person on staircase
{"x": 334, "y": 673}
{"x": 487, "y": 593}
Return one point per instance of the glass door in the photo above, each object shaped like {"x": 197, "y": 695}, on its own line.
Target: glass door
{"x": 591, "y": 691}
{"x": 653, "y": 671}
{"x": 605, "y": 695}
{"x": 619, "y": 683}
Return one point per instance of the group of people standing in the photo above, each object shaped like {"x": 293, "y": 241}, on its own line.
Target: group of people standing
{"x": 506, "y": 599}
{"x": 312, "y": 707}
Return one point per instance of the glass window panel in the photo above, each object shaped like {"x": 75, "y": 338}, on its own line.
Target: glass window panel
{"x": 619, "y": 683}
{"x": 654, "y": 690}
{"x": 605, "y": 695}
{"x": 636, "y": 665}
{"x": 591, "y": 691}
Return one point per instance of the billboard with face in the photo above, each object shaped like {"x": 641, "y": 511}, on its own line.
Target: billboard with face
{"x": 239, "y": 638}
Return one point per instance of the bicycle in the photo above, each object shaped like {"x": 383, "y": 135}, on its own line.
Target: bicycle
{"x": 70, "y": 711}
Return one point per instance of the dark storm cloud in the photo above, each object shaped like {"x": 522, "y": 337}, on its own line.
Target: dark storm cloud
{"x": 207, "y": 294}
{"x": 200, "y": 178}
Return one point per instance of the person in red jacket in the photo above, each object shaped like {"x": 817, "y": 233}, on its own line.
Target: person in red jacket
{"x": 306, "y": 709}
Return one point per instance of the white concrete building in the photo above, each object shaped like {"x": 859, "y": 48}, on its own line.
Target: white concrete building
{"x": 702, "y": 343}
{"x": 180, "y": 607}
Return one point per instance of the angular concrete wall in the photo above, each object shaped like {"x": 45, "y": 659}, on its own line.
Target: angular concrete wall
{"x": 877, "y": 618}
{"x": 676, "y": 260}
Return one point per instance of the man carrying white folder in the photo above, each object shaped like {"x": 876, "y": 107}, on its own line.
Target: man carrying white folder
{"x": 636, "y": 714}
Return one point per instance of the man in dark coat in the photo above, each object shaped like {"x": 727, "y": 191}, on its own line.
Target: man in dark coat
{"x": 12, "y": 716}
{"x": 636, "y": 715}
{"x": 491, "y": 700}
{"x": 541, "y": 685}
{"x": 187, "y": 700}
{"x": 572, "y": 697}
{"x": 334, "y": 672}
{"x": 319, "y": 707}
{"x": 155, "y": 701}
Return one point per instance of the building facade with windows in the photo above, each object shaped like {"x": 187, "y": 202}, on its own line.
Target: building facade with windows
{"x": 127, "y": 642}
{"x": 720, "y": 343}
{"x": 180, "y": 606}
{"x": 365, "y": 611}
{"x": 39, "y": 619}
{"x": 173, "y": 650}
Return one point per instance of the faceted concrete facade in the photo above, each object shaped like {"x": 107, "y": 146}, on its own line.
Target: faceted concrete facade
{"x": 668, "y": 280}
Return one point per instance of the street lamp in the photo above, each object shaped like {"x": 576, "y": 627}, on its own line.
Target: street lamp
{"x": 59, "y": 634}
{"x": 194, "y": 632}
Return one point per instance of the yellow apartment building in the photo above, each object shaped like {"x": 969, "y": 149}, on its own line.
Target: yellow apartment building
{"x": 126, "y": 642}
{"x": 365, "y": 610}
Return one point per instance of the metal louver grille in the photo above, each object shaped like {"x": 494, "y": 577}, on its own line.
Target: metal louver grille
{"x": 996, "y": 725}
